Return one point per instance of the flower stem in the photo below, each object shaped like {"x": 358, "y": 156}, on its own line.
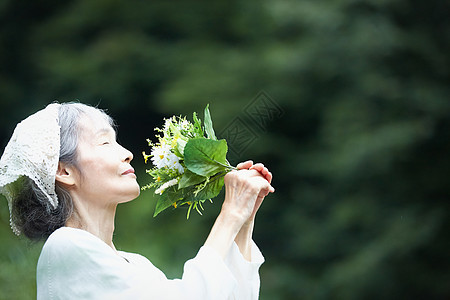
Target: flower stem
{"x": 228, "y": 166}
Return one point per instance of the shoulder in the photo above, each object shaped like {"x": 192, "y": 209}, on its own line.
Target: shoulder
{"x": 68, "y": 242}
{"x": 69, "y": 250}
{"x": 71, "y": 235}
{"x": 75, "y": 262}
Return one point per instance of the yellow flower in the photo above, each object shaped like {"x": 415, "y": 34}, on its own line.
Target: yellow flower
{"x": 158, "y": 179}
{"x": 174, "y": 141}
{"x": 174, "y": 204}
{"x": 145, "y": 156}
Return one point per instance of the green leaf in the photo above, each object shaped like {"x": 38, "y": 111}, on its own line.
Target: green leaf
{"x": 206, "y": 157}
{"x": 208, "y": 125}
{"x": 189, "y": 178}
{"x": 181, "y": 143}
{"x": 166, "y": 200}
{"x": 211, "y": 190}
{"x": 197, "y": 125}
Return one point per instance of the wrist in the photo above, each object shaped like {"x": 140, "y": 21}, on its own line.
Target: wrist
{"x": 249, "y": 223}
{"x": 222, "y": 234}
{"x": 246, "y": 231}
{"x": 233, "y": 216}
{"x": 244, "y": 240}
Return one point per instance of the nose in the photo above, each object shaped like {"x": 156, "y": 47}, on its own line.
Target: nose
{"x": 128, "y": 155}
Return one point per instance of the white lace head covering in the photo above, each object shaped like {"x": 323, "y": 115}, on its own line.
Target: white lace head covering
{"x": 32, "y": 151}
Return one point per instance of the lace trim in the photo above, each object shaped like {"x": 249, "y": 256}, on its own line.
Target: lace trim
{"x": 32, "y": 151}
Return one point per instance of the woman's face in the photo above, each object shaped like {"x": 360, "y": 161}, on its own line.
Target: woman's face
{"x": 106, "y": 174}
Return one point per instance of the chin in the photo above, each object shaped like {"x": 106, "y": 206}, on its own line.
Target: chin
{"x": 137, "y": 193}
{"x": 131, "y": 195}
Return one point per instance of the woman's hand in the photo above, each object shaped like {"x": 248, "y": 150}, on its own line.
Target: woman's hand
{"x": 245, "y": 190}
{"x": 244, "y": 237}
{"x": 266, "y": 174}
{"x": 259, "y": 166}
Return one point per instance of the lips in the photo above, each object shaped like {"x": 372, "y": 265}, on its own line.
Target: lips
{"x": 129, "y": 171}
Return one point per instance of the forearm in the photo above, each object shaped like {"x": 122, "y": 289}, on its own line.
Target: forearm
{"x": 244, "y": 240}
{"x": 222, "y": 234}
{"x": 244, "y": 192}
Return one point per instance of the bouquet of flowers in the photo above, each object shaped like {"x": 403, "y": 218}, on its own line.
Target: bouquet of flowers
{"x": 189, "y": 163}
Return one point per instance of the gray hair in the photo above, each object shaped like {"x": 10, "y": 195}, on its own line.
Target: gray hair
{"x": 30, "y": 213}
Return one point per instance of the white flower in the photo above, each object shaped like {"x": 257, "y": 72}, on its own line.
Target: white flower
{"x": 166, "y": 185}
{"x": 184, "y": 125}
{"x": 174, "y": 163}
{"x": 179, "y": 168}
{"x": 160, "y": 156}
{"x": 167, "y": 123}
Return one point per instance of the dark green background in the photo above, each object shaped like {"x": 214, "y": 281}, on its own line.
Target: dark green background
{"x": 359, "y": 146}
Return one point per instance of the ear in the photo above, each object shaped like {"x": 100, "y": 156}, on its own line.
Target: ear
{"x": 65, "y": 174}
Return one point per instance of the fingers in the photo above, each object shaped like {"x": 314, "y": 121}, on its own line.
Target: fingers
{"x": 246, "y": 189}
{"x": 245, "y": 174}
{"x": 258, "y": 167}
{"x": 265, "y": 187}
{"x": 263, "y": 170}
{"x": 245, "y": 165}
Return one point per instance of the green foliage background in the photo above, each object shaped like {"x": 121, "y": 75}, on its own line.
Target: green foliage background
{"x": 360, "y": 156}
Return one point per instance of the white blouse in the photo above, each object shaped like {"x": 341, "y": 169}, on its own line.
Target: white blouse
{"x": 75, "y": 264}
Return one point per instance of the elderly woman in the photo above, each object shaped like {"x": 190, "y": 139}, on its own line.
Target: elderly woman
{"x": 64, "y": 174}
